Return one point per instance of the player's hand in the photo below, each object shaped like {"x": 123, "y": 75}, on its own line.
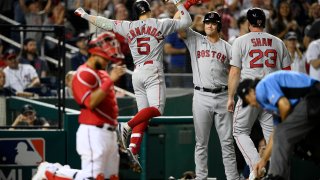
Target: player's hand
{"x": 188, "y": 3}
{"x": 230, "y": 105}
{"x": 193, "y": 2}
{"x": 80, "y": 12}
{"x": 117, "y": 72}
{"x": 260, "y": 169}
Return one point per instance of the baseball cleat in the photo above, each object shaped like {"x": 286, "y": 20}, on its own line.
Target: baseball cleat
{"x": 123, "y": 134}
{"x": 40, "y": 174}
{"x": 135, "y": 165}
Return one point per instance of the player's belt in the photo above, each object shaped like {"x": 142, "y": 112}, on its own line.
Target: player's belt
{"x": 107, "y": 127}
{"x": 215, "y": 90}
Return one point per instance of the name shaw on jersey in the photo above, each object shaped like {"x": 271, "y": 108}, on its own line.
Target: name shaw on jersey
{"x": 213, "y": 54}
{"x": 261, "y": 42}
{"x": 143, "y": 30}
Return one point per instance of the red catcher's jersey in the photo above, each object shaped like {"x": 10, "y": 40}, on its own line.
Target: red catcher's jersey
{"x": 84, "y": 82}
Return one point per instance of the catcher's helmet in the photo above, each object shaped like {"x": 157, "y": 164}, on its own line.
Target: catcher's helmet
{"x": 256, "y": 17}
{"x": 213, "y": 17}
{"x": 107, "y": 46}
{"x": 141, "y": 7}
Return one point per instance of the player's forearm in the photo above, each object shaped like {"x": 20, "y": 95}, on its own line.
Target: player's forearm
{"x": 284, "y": 107}
{"x": 99, "y": 94}
{"x": 233, "y": 81}
{"x": 268, "y": 150}
{"x": 185, "y": 18}
{"x": 96, "y": 98}
{"x": 100, "y": 22}
{"x": 315, "y": 63}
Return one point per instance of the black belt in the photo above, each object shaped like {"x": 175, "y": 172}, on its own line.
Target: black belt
{"x": 110, "y": 128}
{"x": 215, "y": 90}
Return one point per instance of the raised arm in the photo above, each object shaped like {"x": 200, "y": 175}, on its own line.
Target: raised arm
{"x": 98, "y": 21}
{"x": 187, "y": 4}
{"x": 185, "y": 18}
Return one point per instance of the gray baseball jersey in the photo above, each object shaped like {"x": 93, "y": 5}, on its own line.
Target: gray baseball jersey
{"x": 256, "y": 54}
{"x": 146, "y": 41}
{"x": 210, "y": 61}
{"x": 210, "y": 66}
{"x": 145, "y": 37}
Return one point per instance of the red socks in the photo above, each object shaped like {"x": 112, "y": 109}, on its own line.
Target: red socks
{"x": 144, "y": 115}
{"x": 138, "y": 124}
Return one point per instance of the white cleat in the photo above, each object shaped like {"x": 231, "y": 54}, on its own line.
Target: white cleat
{"x": 123, "y": 135}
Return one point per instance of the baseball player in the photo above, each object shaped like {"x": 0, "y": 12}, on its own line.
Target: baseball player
{"x": 146, "y": 40}
{"x": 210, "y": 57}
{"x": 55, "y": 171}
{"x": 254, "y": 55}
{"x": 93, "y": 90}
{"x": 293, "y": 99}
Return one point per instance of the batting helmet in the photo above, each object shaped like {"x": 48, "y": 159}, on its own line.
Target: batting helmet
{"x": 141, "y": 7}
{"x": 107, "y": 46}
{"x": 256, "y": 17}
{"x": 213, "y": 17}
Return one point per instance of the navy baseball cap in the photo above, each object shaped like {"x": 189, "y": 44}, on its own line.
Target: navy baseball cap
{"x": 27, "y": 108}
{"x": 244, "y": 88}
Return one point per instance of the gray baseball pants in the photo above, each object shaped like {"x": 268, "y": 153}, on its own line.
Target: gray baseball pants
{"x": 209, "y": 108}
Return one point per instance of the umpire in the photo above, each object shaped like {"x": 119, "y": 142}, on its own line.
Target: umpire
{"x": 294, "y": 100}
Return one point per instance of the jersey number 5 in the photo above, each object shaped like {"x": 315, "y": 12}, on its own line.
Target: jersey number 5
{"x": 143, "y": 46}
{"x": 258, "y": 55}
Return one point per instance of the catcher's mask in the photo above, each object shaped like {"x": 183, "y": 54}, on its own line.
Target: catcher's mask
{"x": 107, "y": 46}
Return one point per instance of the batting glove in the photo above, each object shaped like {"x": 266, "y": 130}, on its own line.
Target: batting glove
{"x": 188, "y": 3}
{"x": 80, "y": 12}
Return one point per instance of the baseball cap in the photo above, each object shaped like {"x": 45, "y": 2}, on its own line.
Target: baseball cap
{"x": 10, "y": 53}
{"x": 81, "y": 36}
{"x": 290, "y": 35}
{"x": 244, "y": 88}
{"x": 27, "y": 108}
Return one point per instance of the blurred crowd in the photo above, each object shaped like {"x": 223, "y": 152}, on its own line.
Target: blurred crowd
{"x": 296, "y": 22}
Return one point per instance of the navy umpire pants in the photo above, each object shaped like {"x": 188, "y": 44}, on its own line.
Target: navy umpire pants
{"x": 286, "y": 135}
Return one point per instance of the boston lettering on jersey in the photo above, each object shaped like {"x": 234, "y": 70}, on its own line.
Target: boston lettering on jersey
{"x": 261, "y": 42}
{"x": 214, "y": 54}
{"x": 149, "y": 30}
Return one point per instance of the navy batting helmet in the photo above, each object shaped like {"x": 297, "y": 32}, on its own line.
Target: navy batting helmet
{"x": 213, "y": 17}
{"x": 141, "y": 7}
{"x": 107, "y": 46}
{"x": 256, "y": 17}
